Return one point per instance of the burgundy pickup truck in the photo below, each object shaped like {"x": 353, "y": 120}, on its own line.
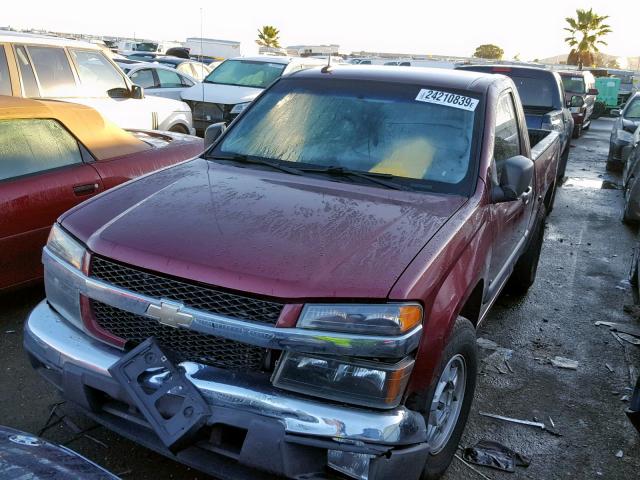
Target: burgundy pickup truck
{"x": 302, "y": 300}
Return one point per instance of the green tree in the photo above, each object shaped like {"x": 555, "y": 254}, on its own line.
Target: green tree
{"x": 587, "y": 30}
{"x": 268, "y": 37}
{"x": 490, "y": 51}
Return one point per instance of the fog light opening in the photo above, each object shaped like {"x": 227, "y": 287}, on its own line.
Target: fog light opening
{"x": 354, "y": 465}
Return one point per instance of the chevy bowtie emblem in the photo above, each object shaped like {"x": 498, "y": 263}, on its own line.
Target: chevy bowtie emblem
{"x": 168, "y": 313}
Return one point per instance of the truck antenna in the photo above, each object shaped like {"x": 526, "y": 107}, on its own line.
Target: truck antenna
{"x": 328, "y": 67}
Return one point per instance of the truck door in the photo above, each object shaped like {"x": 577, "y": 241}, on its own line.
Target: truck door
{"x": 42, "y": 174}
{"x": 510, "y": 219}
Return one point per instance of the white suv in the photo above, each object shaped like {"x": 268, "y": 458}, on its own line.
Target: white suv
{"x": 235, "y": 83}
{"x": 37, "y": 66}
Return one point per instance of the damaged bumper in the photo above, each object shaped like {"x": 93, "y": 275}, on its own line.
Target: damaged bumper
{"x": 251, "y": 424}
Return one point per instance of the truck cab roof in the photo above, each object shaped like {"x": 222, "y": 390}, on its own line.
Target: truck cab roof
{"x": 433, "y": 77}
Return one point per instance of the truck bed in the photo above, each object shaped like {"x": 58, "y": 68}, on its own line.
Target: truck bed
{"x": 545, "y": 153}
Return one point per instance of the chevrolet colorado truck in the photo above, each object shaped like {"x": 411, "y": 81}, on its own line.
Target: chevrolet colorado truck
{"x": 302, "y": 300}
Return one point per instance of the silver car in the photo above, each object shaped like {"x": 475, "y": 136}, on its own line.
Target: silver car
{"x": 158, "y": 79}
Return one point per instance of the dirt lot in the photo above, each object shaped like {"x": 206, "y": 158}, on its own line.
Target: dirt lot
{"x": 581, "y": 279}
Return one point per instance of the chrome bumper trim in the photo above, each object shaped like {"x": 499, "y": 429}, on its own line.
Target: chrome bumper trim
{"x": 67, "y": 278}
{"x": 61, "y": 346}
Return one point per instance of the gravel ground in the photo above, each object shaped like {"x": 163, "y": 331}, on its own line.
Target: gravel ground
{"x": 581, "y": 279}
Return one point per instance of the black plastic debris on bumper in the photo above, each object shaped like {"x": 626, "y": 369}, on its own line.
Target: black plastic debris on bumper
{"x": 191, "y": 413}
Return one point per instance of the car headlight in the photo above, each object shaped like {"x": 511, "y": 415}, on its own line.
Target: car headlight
{"x": 360, "y": 382}
{"x": 239, "y": 107}
{"x": 367, "y": 319}
{"x": 65, "y": 247}
{"x": 553, "y": 124}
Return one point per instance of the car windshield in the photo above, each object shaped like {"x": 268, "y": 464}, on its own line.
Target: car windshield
{"x": 573, "y": 84}
{"x": 368, "y": 127}
{"x": 633, "y": 110}
{"x": 246, "y": 73}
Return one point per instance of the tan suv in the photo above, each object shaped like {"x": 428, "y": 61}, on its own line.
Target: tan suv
{"x": 36, "y": 66}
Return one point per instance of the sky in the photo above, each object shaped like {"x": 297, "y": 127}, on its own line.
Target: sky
{"x": 531, "y": 29}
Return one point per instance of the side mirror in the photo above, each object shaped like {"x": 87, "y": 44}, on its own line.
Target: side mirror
{"x": 593, "y": 91}
{"x": 212, "y": 133}
{"x": 137, "y": 92}
{"x": 577, "y": 101}
{"x": 517, "y": 173}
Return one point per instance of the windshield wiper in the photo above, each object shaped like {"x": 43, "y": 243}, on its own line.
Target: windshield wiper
{"x": 257, "y": 161}
{"x": 346, "y": 172}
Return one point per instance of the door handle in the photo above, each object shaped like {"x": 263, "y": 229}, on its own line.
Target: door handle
{"x": 526, "y": 195}
{"x": 85, "y": 189}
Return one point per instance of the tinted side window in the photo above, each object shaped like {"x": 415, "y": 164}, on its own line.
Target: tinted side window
{"x": 53, "y": 70}
{"x": 29, "y": 84}
{"x": 97, "y": 74}
{"x": 507, "y": 135}
{"x": 168, "y": 79}
{"x": 144, "y": 78}
{"x": 5, "y": 81}
{"x": 35, "y": 145}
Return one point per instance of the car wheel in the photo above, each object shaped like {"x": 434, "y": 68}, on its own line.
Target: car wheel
{"x": 562, "y": 165}
{"x": 586, "y": 126}
{"x": 577, "y": 131}
{"x": 526, "y": 268}
{"x": 179, "y": 129}
{"x": 447, "y": 402}
{"x": 627, "y": 216}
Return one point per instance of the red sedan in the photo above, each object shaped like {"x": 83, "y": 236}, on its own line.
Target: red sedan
{"x": 54, "y": 155}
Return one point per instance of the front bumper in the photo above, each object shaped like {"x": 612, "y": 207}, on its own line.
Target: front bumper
{"x": 280, "y": 433}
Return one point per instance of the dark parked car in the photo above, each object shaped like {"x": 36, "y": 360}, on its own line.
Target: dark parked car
{"x": 318, "y": 275}
{"x": 543, "y": 99}
{"x": 625, "y": 125}
{"x": 56, "y": 155}
{"x": 580, "y": 94}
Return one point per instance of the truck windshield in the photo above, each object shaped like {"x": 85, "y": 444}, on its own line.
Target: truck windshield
{"x": 361, "y": 126}
{"x": 573, "y": 84}
{"x": 246, "y": 73}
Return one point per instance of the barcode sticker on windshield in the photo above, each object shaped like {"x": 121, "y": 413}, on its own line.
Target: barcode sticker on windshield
{"x": 446, "y": 98}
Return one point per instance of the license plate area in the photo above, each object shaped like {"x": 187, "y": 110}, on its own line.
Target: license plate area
{"x": 177, "y": 427}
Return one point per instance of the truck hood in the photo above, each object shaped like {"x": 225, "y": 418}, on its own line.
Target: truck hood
{"x": 269, "y": 233}
{"x": 216, "y": 93}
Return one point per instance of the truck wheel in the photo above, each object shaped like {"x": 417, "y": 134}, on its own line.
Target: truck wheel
{"x": 577, "y": 131}
{"x": 550, "y": 198}
{"x": 177, "y": 128}
{"x": 525, "y": 269}
{"x": 562, "y": 165}
{"x": 446, "y": 404}
{"x": 626, "y": 211}
{"x": 612, "y": 164}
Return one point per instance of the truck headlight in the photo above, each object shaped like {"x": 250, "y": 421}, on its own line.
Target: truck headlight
{"x": 554, "y": 124}
{"x": 367, "y": 319}
{"x": 239, "y": 107}
{"x": 65, "y": 247}
{"x": 360, "y": 382}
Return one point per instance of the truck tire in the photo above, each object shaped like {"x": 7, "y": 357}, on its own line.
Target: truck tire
{"x": 562, "y": 164}
{"x": 550, "y": 198}
{"x": 626, "y": 210}
{"x": 612, "y": 164}
{"x": 526, "y": 268}
{"x": 577, "y": 131}
{"x": 456, "y": 376}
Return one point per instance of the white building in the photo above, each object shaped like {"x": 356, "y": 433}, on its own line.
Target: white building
{"x": 313, "y": 50}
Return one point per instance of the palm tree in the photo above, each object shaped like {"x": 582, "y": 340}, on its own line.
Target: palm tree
{"x": 590, "y": 27}
{"x": 268, "y": 37}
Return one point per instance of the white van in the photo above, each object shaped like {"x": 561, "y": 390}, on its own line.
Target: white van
{"x": 226, "y": 91}
{"x": 36, "y": 66}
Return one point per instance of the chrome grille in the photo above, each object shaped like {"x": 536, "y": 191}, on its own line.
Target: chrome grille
{"x": 193, "y": 295}
{"x": 186, "y": 344}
